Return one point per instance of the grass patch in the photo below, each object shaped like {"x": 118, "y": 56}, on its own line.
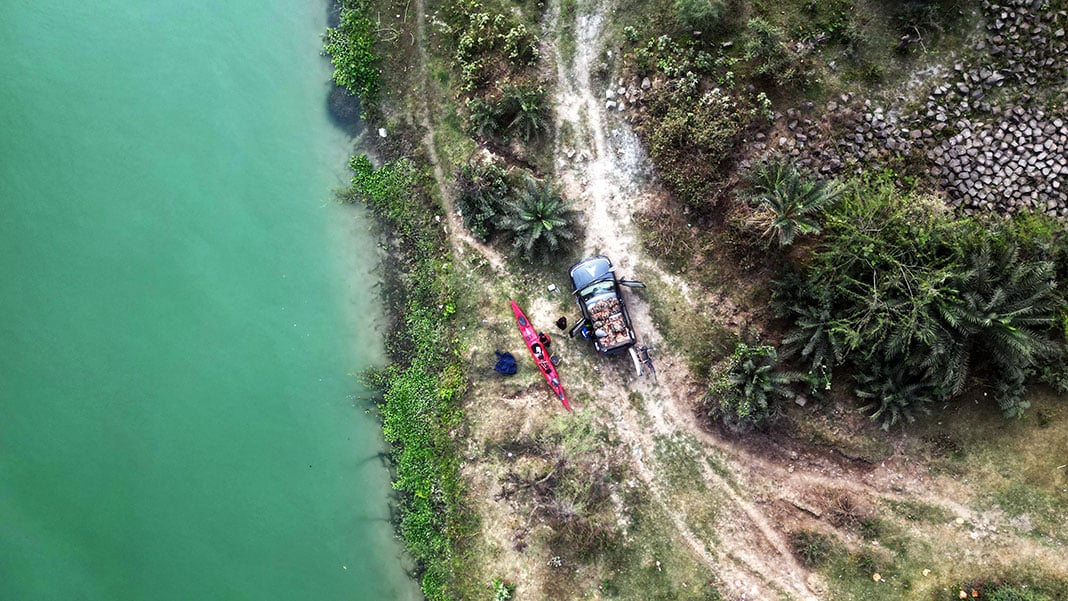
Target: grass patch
{"x": 565, "y": 33}
{"x": 917, "y": 511}
{"x": 651, "y": 564}
{"x": 702, "y": 341}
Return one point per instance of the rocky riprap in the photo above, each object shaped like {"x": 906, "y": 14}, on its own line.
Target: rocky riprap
{"x": 991, "y": 134}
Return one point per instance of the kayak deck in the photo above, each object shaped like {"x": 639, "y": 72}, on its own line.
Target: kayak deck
{"x": 538, "y": 352}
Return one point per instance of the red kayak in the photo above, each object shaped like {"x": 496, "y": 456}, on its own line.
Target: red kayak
{"x": 541, "y": 357}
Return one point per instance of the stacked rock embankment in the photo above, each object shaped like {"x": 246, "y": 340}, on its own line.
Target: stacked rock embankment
{"x": 991, "y": 134}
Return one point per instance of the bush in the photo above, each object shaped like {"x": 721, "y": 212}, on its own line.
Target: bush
{"x": 812, "y": 548}
{"x": 690, "y": 136}
{"x": 351, "y": 46}
{"x": 520, "y": 111}
{"x": 502, "y": 591}
{"x": 767, "y": 49}
{"x": 745, "y": 388}
{"x": 482, "y": 197}
{"x": 704, "y": 15}
{"x": 914, "y": 299}
{"x": 525, "y": 111}
{"x": 489, "y": 46}
{"x": 894, "y": 396}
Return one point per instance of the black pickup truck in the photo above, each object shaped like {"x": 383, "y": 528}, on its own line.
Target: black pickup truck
{"x": 604, "y": 312}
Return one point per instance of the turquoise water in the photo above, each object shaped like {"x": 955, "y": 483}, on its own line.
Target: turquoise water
{"x": 182, "y": 310}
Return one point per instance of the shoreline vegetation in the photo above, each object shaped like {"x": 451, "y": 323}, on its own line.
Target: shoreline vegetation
{"x": 421, "y": 387}
{"x": 861, "y": 283}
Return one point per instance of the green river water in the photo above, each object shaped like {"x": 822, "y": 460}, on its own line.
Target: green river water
{"x": 182, "y": 310}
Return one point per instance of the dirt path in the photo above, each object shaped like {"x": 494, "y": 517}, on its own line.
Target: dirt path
{"x": 454, "y": 227}
{"x": 609, "y": 186}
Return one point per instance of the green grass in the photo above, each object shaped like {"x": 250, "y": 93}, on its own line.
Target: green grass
{"x": 691, "y": 332}
{"x": 631, "y": 570}
{"x": 917, "y": 511}
{"x": 1011, "y": 465}
{"x": 565, "y": 34}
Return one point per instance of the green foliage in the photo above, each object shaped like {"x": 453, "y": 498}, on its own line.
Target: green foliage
{"x": 818, "y": 337}
{"x": 787, "y": 202}
{"x": 525, "y": 109}
{"x": 388, "y": 192}
{"x": 746, "y": 387}
{"x": 521, "y": 111}
{"x": 484, "y": 117}
{"x": 893, "y": 394}
{"x": 690, "y": 135}
{"x": 421, "y": 389}
{"x": 834, "y": 22}
{"x": 489, "y": 45}
{"x": 765, "y": 47}
{"x": 351, "y": 46}
{"x": 1006, "y": 305}
{"x": 539, "y": 220}
{"x": 812, "y": 548}
{"x": 913, "y": 298}
{"x": 502, "y": 591}
{"x": 704, "y": 15}
{"x": 482, "y": 196}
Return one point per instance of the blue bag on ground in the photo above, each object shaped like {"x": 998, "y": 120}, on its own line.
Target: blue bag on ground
{"x": 505, "y": 363}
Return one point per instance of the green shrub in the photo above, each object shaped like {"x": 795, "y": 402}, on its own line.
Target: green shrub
{"x": 746, "y": 388}
{"x": 690, "y": 135}
{"x": 489, "y": 45}
{"x": 484, "y": 118}
{"x": 812, "y": 548}
{"x": 520, "y": 111}
{"x": 502, "y": 591}
{"x": 702, "y": 15}
{"x": 481, "y": 197}
{"x": 351, "y": 46}
{"x": 914, "y": 298}
{"x": 765, "y": 47}
{"x": 893, "y": 394}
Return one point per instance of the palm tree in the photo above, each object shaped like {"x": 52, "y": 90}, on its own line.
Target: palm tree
{"x": 744, "y": 394}
{"x": 540, "y": 220}
{"x": 484, "y": 117}
{"x": 527, "y": 109}
{"x": 481, "y": 190}
{"x": 787, "y": 202}
{"x": 894, "y": 393}
{"x": 1004, "y": 306}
